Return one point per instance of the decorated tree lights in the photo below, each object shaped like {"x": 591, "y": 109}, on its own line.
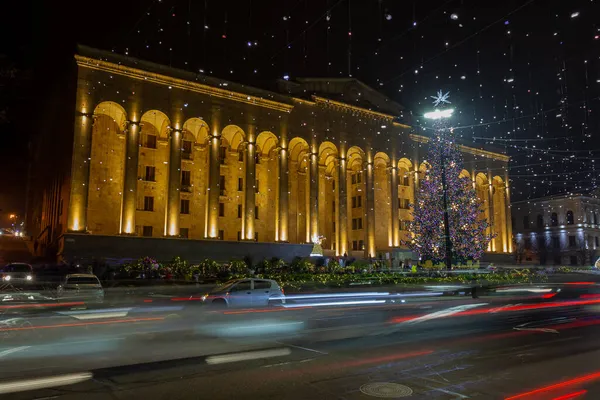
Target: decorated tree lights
{"x": 447, "y": 225}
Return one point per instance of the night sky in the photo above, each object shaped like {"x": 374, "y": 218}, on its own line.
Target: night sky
{"x": 523, "y": 75}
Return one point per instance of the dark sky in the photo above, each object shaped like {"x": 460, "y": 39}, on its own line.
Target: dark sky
{"x": 522, "y": 74}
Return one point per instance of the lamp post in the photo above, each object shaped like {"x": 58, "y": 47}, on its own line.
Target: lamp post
{"x": 439, "y": 115}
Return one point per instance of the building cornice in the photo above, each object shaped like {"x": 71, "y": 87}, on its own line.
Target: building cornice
{"x": 139, "y": 74}
{"x": 465, "y": 149}
{"x": 351, "y": 108}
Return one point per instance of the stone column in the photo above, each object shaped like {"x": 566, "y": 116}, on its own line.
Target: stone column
{"x": 491, "y": 207}
{"x": 130, "y": 181}
{"x": 283, "y": 195}
{"x": 173, "y": 191}
{"x": 214, "y": 171}
{"x": 250, "y": 185}
{"x": 342, "y": 224}
{"x": 370, "y": 211}
{"x": 509, "y": 233}
{"x": 314, "y": 196}
{"x": 395, "y": 223}
{"x": 80, "y": 172}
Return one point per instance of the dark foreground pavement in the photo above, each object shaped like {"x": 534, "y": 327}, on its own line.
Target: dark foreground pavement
{"x": 487, "y": 348}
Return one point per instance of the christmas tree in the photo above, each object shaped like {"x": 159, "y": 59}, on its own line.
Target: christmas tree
{"x": 467, "y": 228}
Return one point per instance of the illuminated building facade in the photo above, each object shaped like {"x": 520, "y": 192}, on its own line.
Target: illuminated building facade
{"x": 163, "y": 153}
{"x": 557, "y": 230}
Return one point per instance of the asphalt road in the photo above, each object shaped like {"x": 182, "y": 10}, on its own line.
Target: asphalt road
{"x": 488, "y": 348}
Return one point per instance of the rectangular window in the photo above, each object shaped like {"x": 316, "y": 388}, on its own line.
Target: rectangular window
{"x": 221, "y": 234}
{"x": 361, "y": 245}
{"x": 403, "y": 204}
{"x": 186, "y": 178}
{"x": 148, "y": 203}
{"x": 186, "y": 152}
{"x": 333, "y": 185}
{"x": 334, "y": 226}
{"x": 221, "y": 209}
{"x": 359, "y": 222}
{"x": 557, "y": 260}
{"x": 333, "y": 207}
{"x": 184, "y": 233}
{"x": 256, "y": 212}
{"x": 359, "y": 177}
{"x": 222, "y": 153}
{"x": 185, "y": 206}
{"x": 359, "y": 201}
{"x": 240, "y": 184}
{"x": 572, "y": 241}
{"x": 256, "y": 236}
{"x": 147, "y": 231}
{"x": 354, "y": 245}
{"x": 150, "y": 141}
{"x": 150, "y": 174}
{"x": 256, "y": 187}
{"x": 353, "y": 201}
{"x": 526, "y": 222}
{"x": 222, "y": 185}
{"x": 404, "y": 181}
{"x": 354, "y": 224}
{"x": 403, "y": 225}
{"x": 239, "y": 211}
{"x": 239, "y": 236}
{"x": 241, "y": 156}
{"x": 556, "y": 242}
{"x": 353, "y": 179}
{"x": 597, "y": 241}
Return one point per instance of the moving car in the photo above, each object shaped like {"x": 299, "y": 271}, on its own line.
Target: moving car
{"x": 246, "y": 293}
{"x": 17, "y": 274}
{"x": 81, "y": 287}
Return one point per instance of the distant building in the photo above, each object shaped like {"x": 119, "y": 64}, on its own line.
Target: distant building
{"x": 557, "y": 230}
{"x": 160, "y": 161}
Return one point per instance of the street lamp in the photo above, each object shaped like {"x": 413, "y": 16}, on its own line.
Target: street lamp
{"x": 440, "y": 115}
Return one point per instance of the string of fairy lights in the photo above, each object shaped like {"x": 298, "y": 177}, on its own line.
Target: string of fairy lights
{"x": 524, "y": 76}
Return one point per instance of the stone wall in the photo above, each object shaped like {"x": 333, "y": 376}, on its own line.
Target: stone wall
{"x": 83, "y": 247}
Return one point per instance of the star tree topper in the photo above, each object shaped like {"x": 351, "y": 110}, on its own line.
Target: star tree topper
{"x": 441, "y": 98}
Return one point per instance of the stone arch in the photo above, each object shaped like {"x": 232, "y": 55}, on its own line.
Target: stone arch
{"x": 465, "y": 175}
{"x": 500, "y": 217}
{"x": 405, "y": 172}
{"x": 298, "y": 191}
{"x": 114, "y": 111}
{"x": 157, "y": 123}
{"x": 382, "y": 201}
{"x": 198, "y": 128}
{"x": 107, "y": 164}
{"x": 232, "y": 137}
{"x": 266, "y": 142}
{"x": 328, "y": 153}
{"x": 483, "y": 194}
{"x": 355, "y": 158}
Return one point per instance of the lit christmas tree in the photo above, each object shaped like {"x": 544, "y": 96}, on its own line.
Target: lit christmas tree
{"x": 466, "y": 227}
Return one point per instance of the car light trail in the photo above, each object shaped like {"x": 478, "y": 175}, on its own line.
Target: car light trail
{"x": 43, "y": 383}
{"x": 560, "y": 385}
{"x": 41, "y": 305}
{"x": 571, "y": 395}
{"x": 118, "y": 321}
{"x": 335, "y": 303}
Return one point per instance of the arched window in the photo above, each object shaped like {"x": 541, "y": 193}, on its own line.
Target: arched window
{"x": 540, "y": 221}
{"x": 570, "y": 219}
{"x": 554, "y": 219}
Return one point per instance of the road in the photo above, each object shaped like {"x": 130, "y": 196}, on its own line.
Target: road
{"x": 495, "y": 347}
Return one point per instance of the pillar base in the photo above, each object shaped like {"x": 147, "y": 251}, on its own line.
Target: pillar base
{"x": 78, "y": 231}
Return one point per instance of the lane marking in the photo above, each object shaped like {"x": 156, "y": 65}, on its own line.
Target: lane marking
{"x": 43, "y": 383}
{"x": 303, "y": 348}
{"x": 249, "y": 355}
{"x": 13, "y": 350}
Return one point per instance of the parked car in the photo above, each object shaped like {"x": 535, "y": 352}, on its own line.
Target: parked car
{"x": 246, "y": 293}
{"x": 17, "y": 274}
{"x": 81, "y": 287}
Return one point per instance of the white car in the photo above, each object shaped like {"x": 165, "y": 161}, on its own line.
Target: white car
{"x": 251, "y": 292}
{"x": 81, "y": 287}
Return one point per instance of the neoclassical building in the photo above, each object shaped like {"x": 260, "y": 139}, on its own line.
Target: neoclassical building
{"x": 163, "y": 153}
